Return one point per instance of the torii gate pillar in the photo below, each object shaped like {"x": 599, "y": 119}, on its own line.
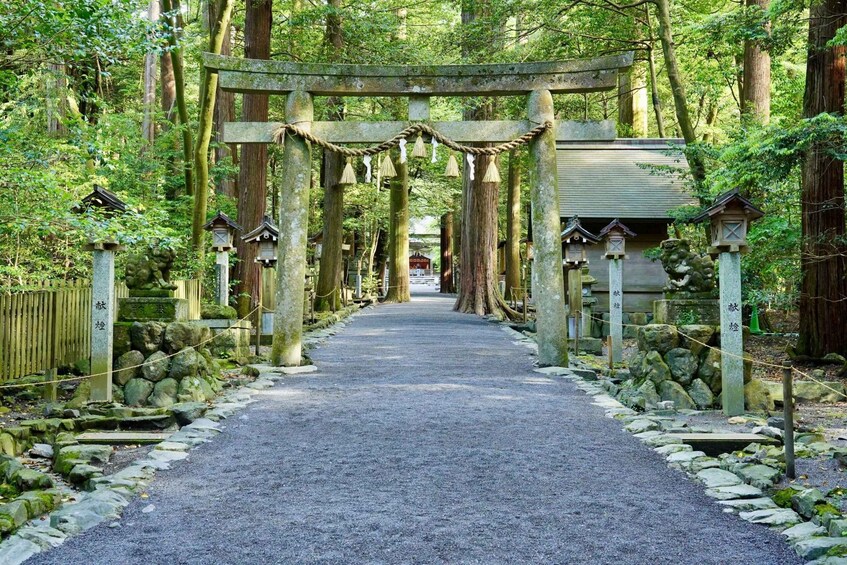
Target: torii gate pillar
{"x": 548, "y": 281}
{"x": 293, "y": 235}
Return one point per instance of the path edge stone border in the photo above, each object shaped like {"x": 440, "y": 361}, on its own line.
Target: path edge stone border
{"x": 114, "y": 492}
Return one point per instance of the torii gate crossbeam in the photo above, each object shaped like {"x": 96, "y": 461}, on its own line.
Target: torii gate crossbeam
{"x": 301, "y": 81}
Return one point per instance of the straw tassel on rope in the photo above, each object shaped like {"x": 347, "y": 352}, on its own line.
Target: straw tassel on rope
{"x": 491, "y": 173}
{"x": 452, "y": 169}
{"x": 386, "y": 169}
{"x": 348, "y": 176}
{"x": 420, "y": 149}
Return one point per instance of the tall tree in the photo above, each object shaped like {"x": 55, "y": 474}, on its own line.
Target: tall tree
{"x": 632, "y": 102}
{"x": 208, "y": 90}
{"x": 225, "y": 112}
{"x": 823, "y": 295}
{"x": 148, "y": 101}
{"x": 513, "y": 228}
{"x": 756, "y": 90}
{"x": 478, "y": 291}
{"x": 446, "y": 243}
{"x": 253, "y": 161}
{"x": 172, "y": 16}
{"x": 330, "y": 276}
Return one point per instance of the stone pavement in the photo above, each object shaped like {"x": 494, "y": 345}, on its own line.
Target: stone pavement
{"x": 425, "y": 437}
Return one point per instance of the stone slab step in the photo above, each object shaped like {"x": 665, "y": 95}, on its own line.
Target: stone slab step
{"x": 123, "y": 438}
{"x": 713, "y": 444}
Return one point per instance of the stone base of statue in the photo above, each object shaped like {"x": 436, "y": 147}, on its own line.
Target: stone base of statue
{"x": 685, "y": 308}
{"x": 152, "y": 306}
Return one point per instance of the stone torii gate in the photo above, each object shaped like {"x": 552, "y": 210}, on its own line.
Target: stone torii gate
{"x": 537, "y": 81}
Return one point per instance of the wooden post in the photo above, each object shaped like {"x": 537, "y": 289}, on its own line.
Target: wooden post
{"x": 51, "y": 389}
{"x": 293, "y": 221}
{"x": 548, "y": 287}
{"x": 732, "y": 347}
{"x": 788, "y": 418}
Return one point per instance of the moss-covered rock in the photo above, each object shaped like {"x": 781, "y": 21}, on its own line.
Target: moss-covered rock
{"x": 30, "y": 479}
{"x": 673, "y": 391}
{"x": 148, "y": 337}
{"x": 179, "y": 335}
{"x": 137, "y": 391}
{"x": 16, "y": 511}
{"x": 657, "y": 337}
{"x": 72, "y": 455}
{"x": 757, "y": 398}
{"x": 155, "y": 367}
{"x": 653, "y": 368}
{"x": 683, "y": 365}
{"x": 186, "y": 363}
{"x": 128, "y": 366}
{"x": 164, "y": 393}
{"x": 217, "y": 312}
{"x": 701, "y": 394}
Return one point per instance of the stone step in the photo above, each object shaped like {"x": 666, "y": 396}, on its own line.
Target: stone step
{"x": 154, "y": 422}
{"x": 123, "y": 438}
{"x": 713, "y": 444}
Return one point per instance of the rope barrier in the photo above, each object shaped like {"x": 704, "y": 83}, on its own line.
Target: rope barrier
{"x": 281, "y": 131}
{"x": 733, "y": 355}
{"x": 83, "y": 377}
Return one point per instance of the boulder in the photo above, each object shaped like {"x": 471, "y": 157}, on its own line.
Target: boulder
{"x": 186, "y": 363}
{"x": 187, "y": 412}
{"x": 194, "y": 389}
{"x": 710, "y": 370}
{"x": 137, "y": 391}
{"x": 657, "y": 337}
{"x": 164, "y": 393}
{"x": 217, "y": 312}
{"x": 654, "y": 368}
{"x": 147, "y": 337}
{"x": 155, "y": 367}
{"x": 73, "y": 455}
{"x": 757, "y": 398}
{"x": 683, "y": 365}
{"x": 692, "y": 337}
{"x": 701, "y": 394}
{"x": 647, "y": 392}
{"x": 670, "y": 390}
{"x": 179, "y": 335}
{"x": 128, "y": 366}
{"x": 805, "y": 501}
{"x": 638, "y": 318}
{"x": 635, "y": 365}
{"x": 118, "y": 394}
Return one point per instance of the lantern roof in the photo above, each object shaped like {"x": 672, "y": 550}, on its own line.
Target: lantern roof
{"x": 616, "y": 224}
{"x": 101, "y": 198}
{"x": 574, "y": 228}
{"x": 265, "y": 230}
{"x": 729, "y": 200}
{"x": 221, "y": 220}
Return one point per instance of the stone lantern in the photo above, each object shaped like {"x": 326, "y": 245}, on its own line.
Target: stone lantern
{"x": 266, "y": 236}
{"x": 615, "y": 235}
{"x": 576, "y": 238}
{"x": 223, "y": 230}
{"x": 102, "y": 295}
{"x": 729, "y": 217}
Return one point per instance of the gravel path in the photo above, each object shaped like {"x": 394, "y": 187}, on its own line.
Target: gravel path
{"x": 424, "y": 438}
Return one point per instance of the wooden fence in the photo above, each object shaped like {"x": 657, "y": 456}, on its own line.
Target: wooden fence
{"x": 50, "y": 326}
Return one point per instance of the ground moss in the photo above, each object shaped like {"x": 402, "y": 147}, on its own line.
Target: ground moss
{"x": 782, "y": 497}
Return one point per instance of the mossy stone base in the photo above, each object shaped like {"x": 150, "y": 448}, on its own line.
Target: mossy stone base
{"x": 140, "y": 309}
{"x": 681, "y": 312}
{"x": 151, "y": 293}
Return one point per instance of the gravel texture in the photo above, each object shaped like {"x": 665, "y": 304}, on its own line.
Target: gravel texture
{"x": 425, "y": 437}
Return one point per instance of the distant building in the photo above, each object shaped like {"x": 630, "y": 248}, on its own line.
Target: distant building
{"x": 628, "y": 179}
